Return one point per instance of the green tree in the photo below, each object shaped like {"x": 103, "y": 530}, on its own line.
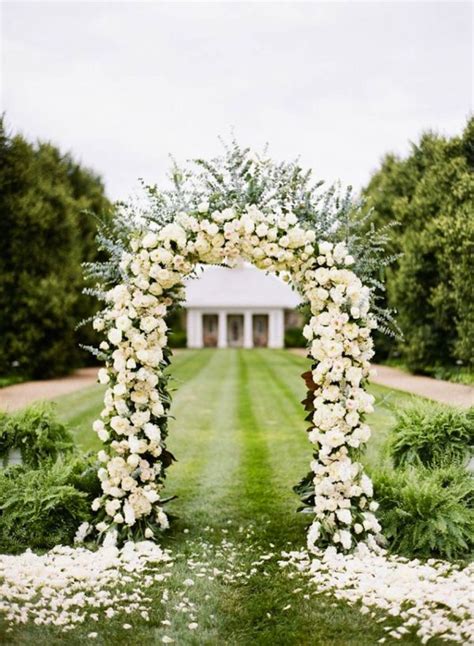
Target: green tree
{"x": 431, "y": 195}
{"x": 44, "y": 237}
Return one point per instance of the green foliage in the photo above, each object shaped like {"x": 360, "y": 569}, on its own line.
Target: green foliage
{"x": 37, "y": 433}
{"x": 426, "y": 513}
{"x": 41, "y": 508}
{"x": 431, "y": 195}
{"x": 294, "y": 338}
{"x": 431, "y": 435}
{"x": 177, "y": 339}
{"x": 45, "y": 235}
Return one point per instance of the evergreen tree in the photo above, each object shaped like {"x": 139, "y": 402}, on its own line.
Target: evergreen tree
{"x": 431, "y": 195}
{"x": 44, "y": 237}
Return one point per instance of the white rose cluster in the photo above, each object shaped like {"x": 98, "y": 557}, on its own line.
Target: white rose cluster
{"x": 339, "y": 337}
{"x": 133, "y": 423}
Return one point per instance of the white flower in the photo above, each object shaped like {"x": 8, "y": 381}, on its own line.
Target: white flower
{"x": 115, "y": 336}
{"x": 83, "y": 530}
{"x": 129, "y": 514}
{"x": 103, "y": 376}
{"x": 345, "y": 539}
{"x": 344, "y": 515}
{"x": 325, "y": 247}
{"x": 149, "y": 240}
{"x": 173, "y": 232}
{"x": 152, "y": 432}
{"x": 123, "y": 323}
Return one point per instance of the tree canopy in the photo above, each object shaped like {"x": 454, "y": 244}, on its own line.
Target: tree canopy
{"x": 430, "y": 193}
{"x": 45, "y": 235}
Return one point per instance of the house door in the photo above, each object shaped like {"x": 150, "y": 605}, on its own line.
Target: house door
{"x": 235, "y": 330}
{"x": 210, "y": 326}
{"x": 260, "y": 330}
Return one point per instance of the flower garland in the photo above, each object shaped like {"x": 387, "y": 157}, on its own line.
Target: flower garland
{"x": 133, "y": 423}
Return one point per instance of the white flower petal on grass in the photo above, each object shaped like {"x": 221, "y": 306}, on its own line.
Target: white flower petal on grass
{"x": 434, "y": 599}
{"x": 48, "y": 588}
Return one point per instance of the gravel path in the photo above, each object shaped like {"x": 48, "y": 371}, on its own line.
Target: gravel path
{"x": 445, "y": 392}
{"x": 20, "y": 395}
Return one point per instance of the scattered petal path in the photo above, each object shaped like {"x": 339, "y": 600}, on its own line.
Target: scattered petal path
{"x": 431, "y": 599}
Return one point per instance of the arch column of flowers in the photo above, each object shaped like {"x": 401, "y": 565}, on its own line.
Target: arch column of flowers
{"x": 133, "y": 424}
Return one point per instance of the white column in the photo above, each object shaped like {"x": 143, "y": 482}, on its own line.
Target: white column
{"x": 248, "y": 330}
{"x": 222, "y": 330}
{"x": 276, "y": 329}
{"x": 194, "y": 328}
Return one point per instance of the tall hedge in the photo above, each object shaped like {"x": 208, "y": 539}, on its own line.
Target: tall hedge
{"x": 44, "y": 237}
{"x": 431, "y": 195}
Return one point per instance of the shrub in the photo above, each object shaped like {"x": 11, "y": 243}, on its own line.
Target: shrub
{"x": 41, "y": 508}
{"x": 37, "y": 433}
{"x": 426, "y": 513}
{"x": 178, "y": 339}
{"x": 294, "y": 338}
{"x": 432, "y": 435}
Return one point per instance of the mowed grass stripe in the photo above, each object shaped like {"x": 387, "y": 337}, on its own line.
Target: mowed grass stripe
{"x": 205, "y": 443}
{"x": 280, "y": 416}
{"x": 266, "y": 611}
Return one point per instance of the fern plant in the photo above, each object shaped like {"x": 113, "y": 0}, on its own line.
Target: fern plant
{"x": 37, "y": 433}
{"x": 42, "y": 507}
{"x": 432, "y": 435}
{"x": 427, "y": 513}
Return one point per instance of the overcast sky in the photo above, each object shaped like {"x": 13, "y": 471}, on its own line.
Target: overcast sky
{"x": 123, "y": 84}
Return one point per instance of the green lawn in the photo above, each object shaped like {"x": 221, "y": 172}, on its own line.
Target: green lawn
{"x": 240, "y": 441}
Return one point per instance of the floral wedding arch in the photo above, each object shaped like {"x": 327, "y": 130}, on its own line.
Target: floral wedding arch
{"x": 239, "y": 207}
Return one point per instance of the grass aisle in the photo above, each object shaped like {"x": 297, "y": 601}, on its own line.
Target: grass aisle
{"x": 239, "y": 438}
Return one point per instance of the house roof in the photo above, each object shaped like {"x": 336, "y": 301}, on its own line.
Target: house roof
{"x": 244, "y": 286}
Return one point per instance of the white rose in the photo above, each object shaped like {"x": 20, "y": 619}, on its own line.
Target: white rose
{"x": 344, "y": 515}
{"x": 345, "y": 538}
{"x": 98, "y": 425}
{"x": 149, "y": 240}
{"x": 157, "y": 409}
{"x": 114, "y": 336}
{"x": 152, "y": 432}
{"x": 98, "y": 324}
{"x": 123, "y": 323}
{"x": 325, "y": 247}
{"x": 173, "y": 232}
{"x": 133, "y": 460}
{"x": 103, "y": 435}
{"x": 112, "y": 506}
{"x": 103, "y": 376}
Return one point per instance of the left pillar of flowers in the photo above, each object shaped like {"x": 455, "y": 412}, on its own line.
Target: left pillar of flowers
{"x": 133, "y": 423}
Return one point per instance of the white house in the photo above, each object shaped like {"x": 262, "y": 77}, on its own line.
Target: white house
{"x": 239, "y": 307}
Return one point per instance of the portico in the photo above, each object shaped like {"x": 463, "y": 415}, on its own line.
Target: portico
{"x": 241, "y": 307}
